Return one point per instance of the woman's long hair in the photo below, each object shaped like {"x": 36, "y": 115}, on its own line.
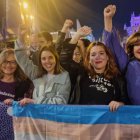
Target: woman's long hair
{"x": 18, "y": 74}
{"x": 111, "y": 69}
{"x": 58, "y": 69}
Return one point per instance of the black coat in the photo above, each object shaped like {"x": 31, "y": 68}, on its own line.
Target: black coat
{"x": 23, "y": 89}
{"x": 76, "y": 71}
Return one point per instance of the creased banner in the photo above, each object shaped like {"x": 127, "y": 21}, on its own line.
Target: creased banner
{"x": 63, "y": 122}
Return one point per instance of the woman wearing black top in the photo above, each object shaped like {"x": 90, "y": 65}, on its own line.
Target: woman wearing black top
{"x": 14, "y": 85}
{"x": 101, "y": 84}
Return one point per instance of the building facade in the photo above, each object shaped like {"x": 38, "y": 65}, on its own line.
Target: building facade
{"x": 134, "y": 24}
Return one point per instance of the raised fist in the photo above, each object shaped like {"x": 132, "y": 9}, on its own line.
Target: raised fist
{"x": 22, "y": 32}
{"x": 109, "y": 11}
{"x": 67, "y": 25}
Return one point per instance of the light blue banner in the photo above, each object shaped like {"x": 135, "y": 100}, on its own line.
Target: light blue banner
{"x": 79, "y": 114}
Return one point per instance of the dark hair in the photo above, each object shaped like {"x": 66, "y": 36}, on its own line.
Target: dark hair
{"x": 18, "y": 74}
{"x": 86, "y": 42}
{"x": 46, "y": 35}
{"x": 58, "y": 69}
{"x": 10, "y": 44}
{"x": 133, "y": 40}
{"x": 111, "y": 68}
{"x": 67, "y": 40}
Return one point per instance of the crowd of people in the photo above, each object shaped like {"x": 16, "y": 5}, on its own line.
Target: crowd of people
{"x": 72, "y": 70}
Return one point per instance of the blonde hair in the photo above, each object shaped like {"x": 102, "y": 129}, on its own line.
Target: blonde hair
{"x": 18, "y": 74}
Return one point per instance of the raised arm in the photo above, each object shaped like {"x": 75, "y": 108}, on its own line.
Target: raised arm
{"x": 22, "y": 58}
{"x": 68, "y": 47}
{"x": 81, "y": 32}
{"x": 61, "y": 35}
{"x": 111, "y": 38}
{"x": 109, "y": 12}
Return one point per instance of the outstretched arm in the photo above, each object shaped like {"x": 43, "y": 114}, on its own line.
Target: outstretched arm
{"x": 61, "y": 35}
{"x": 25, "y": 63}
{"x": 21, "y": 36}
{"x": 22, "y": 58}
{"x": 112, "y": 40}
{"x": 67, "y": 25}
{"x": 109, "y": 12}
{"x": 68, "y": 47}
{"x": 81, "y": 32}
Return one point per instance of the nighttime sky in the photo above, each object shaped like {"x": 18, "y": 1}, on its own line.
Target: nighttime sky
{"x": 89, "y": 12}
{"x": 52, "y": 13}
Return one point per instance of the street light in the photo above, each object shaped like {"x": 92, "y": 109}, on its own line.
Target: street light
{"x": 25, "y": 5}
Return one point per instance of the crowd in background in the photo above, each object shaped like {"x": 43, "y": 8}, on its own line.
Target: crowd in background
{"x": 72, "y": 70}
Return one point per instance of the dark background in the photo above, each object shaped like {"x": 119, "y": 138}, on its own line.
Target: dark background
{"x": 52, "y": 13}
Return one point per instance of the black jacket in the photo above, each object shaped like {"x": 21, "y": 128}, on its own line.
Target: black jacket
{"x": 76, "y": 72}
{"x": 23, "y": 89}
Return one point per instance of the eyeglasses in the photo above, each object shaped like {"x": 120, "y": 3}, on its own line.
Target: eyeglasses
{"x": 13, "y": 63}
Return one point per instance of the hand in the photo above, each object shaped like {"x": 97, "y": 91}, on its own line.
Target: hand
{"x": 67, "y": 24}
{"x": 8, "y": 101}
{"x": 83, "y": 31}
{"x": 22, "y": 32}
{"x": 25, "y": 101}
{"x": 114, "y": 105}
{"x": 109, "y": 11}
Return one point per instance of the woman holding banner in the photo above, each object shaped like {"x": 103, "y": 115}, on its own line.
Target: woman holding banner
{"x": 51, "y": 82}
{"x": 14, "y": 85}
{"x": 99, "y": 82}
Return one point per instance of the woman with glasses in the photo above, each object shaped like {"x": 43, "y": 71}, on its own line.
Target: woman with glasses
{"x": 13, "y": 83}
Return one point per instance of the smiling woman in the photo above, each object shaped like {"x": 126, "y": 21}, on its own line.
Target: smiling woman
{"x": 51, "y": 82}
{"x": 49, "y": 61}
{"x": 13, "y": 83}
{"x": 102, "y": 83}
{"x": 128, "y": 63}
{"x": 9, "y": 66}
